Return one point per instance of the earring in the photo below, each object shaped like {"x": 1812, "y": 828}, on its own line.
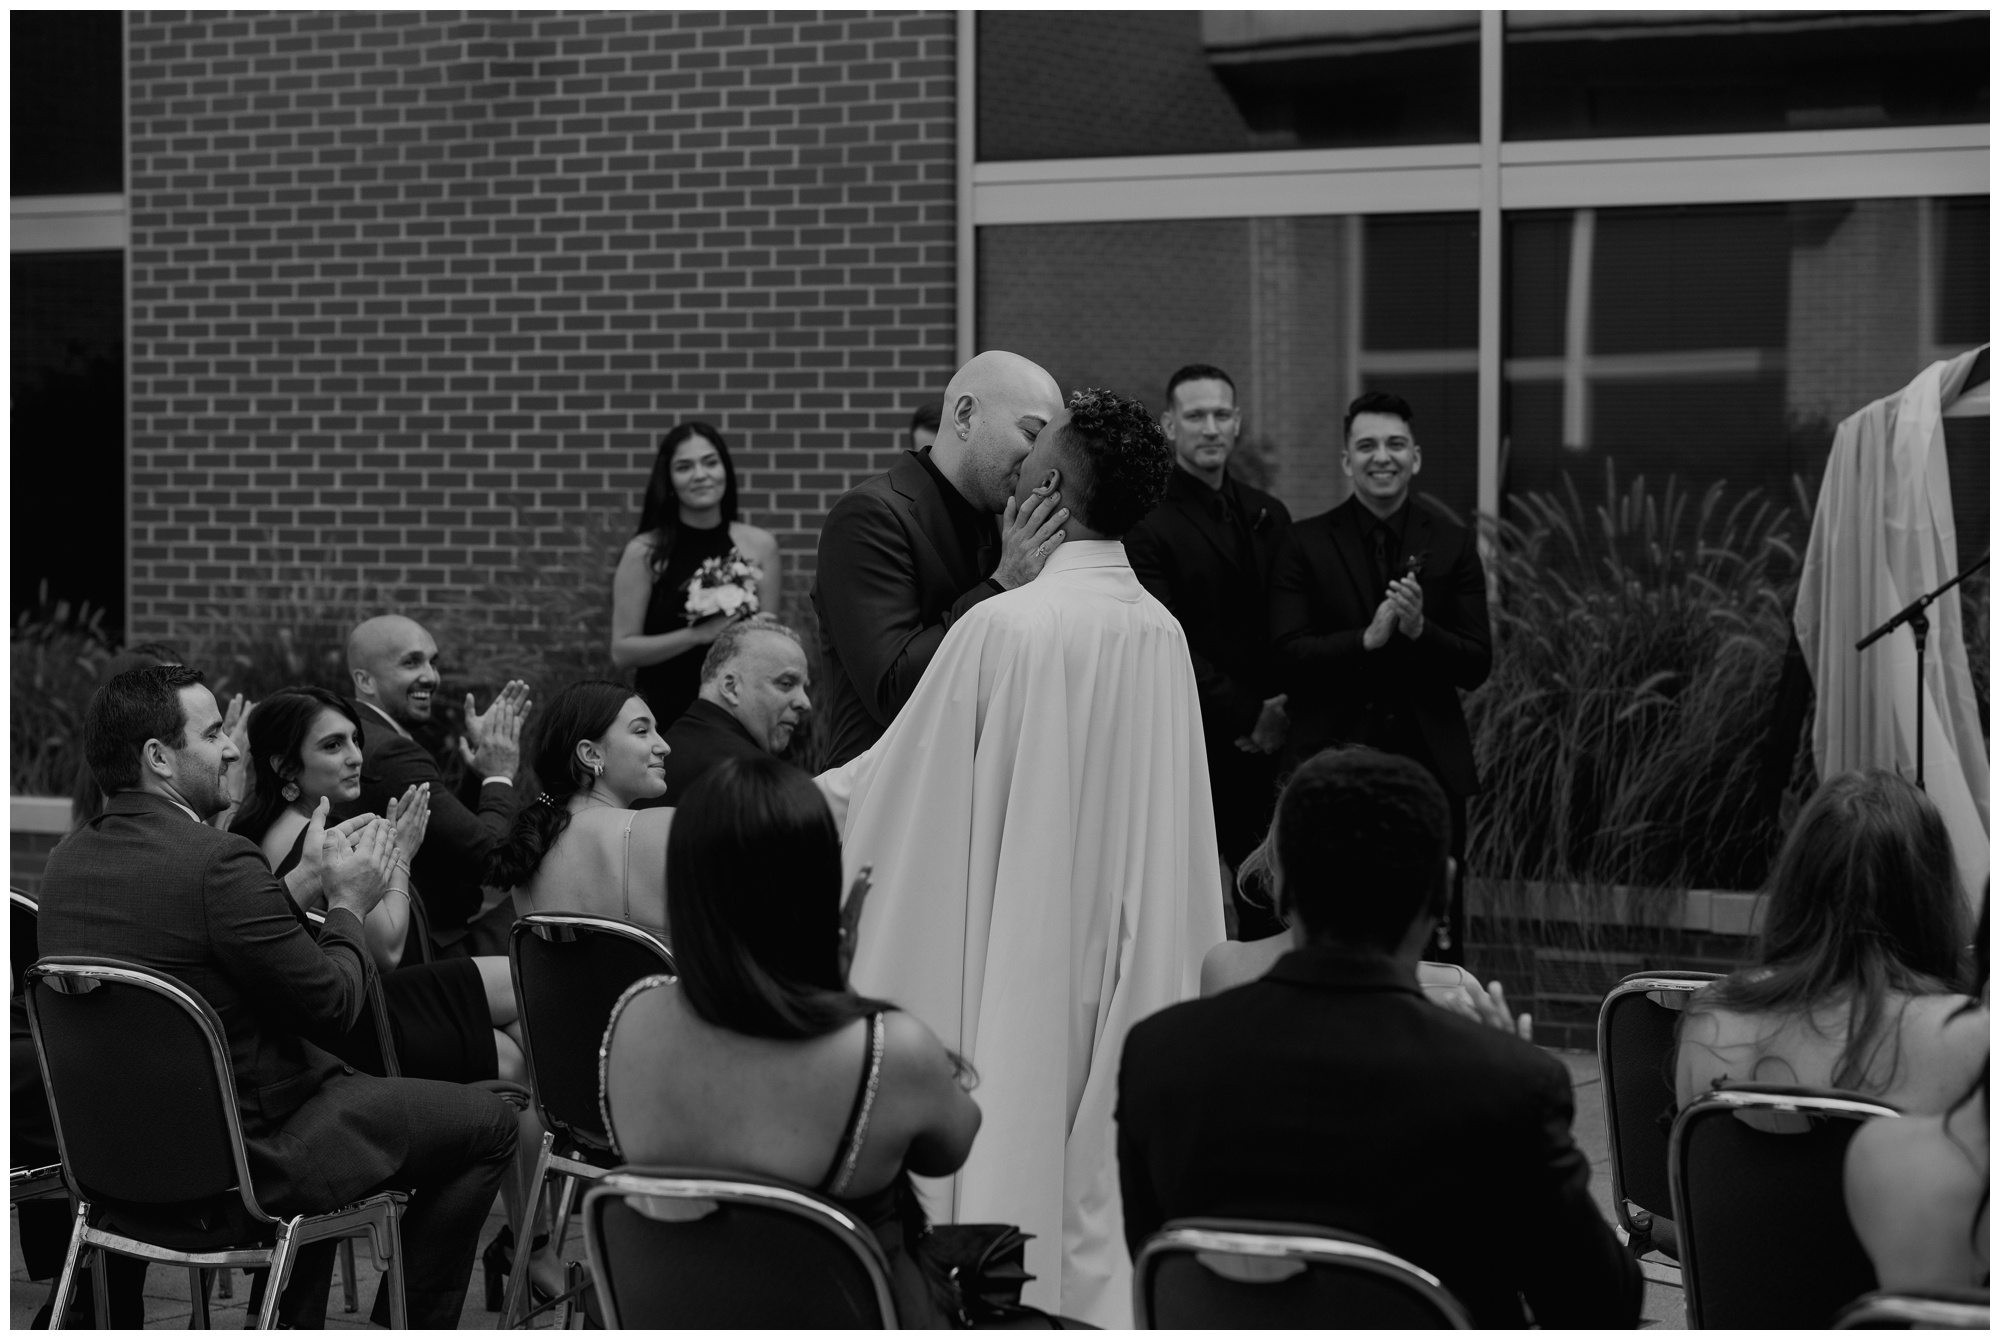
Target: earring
{"x": 597, "y": 769}
{"x": 290, "y": 791}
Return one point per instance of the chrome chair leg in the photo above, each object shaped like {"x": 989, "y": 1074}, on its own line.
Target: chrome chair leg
{"x": 517, "y": 1279}
{"x": 280, "y": 1276}
{"x": 349, "y": 1289}
{"x": 198, "y": 1299}
{"x": 66, "y": 1284}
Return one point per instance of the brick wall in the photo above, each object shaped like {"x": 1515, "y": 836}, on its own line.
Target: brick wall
{"x": 415, "y": 296}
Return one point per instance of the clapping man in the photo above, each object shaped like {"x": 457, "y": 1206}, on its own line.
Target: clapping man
{"x": 393, "y": 663}
{"x": 1206, "y": 553}
{"x": 1378, "y": 610}
{"x": 754, "y": 682}
{"x": 148, "y": 881}
{"x": 904, "y": 555}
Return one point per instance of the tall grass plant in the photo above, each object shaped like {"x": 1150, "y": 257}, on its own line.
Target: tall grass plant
{"x": 1638, "y": 645}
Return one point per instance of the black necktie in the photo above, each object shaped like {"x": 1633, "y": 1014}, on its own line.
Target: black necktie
{"x": 1380, "y": 538}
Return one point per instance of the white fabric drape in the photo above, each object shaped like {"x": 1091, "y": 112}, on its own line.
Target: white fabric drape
{"x": 1045, "y": 875}
{"x": 1882, "y": 535}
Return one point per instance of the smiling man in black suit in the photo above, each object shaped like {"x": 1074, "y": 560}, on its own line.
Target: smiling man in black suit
{"x": 1378, "y": 610}
{"x": 906, "y": 553}
{"x": 1206, "y": 553}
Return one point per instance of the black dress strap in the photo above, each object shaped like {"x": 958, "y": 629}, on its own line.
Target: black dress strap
{"x": 848, "y": 1153}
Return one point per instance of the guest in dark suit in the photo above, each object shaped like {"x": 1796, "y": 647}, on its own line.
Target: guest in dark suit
{"x": 148, "y": 882}
{"x": 904, "y": 554}
{"x": 1206, "y": 553}
{"x": 752, "y": 699}
{"x": 1378, "y": 611}
{"x": 393, "y": 663}
{"x": 1332, "y": 1092}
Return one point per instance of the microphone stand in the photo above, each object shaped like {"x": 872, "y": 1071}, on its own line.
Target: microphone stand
{"x": 1920, "y": 627}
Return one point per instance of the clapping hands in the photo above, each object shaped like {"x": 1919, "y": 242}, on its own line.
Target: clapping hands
{"x": 1402, "y": 607}
{"x": 491, "y": 745}
{"x": 1486, "y": 1005}
{"x": 409, "y": 818}
{"x": 352, "y": 860}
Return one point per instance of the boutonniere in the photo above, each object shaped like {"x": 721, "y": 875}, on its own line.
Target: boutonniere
{"x": 1263, "y": 518}
{"x": 1414, "y": 564}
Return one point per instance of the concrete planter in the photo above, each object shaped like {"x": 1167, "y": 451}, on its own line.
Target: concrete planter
{"x": 36, "y": 824}
{"x": 1558, "y": 948}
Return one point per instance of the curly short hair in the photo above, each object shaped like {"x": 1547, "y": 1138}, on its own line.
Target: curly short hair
{"x": 1125, "y": 455}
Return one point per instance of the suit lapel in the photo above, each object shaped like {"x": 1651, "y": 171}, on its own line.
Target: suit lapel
{"x": 1347, "y": 544}
{"x": 909, "y": 478}
{"x": 1198, "y": 517}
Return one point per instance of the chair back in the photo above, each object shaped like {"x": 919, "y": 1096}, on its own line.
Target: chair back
{"x": 569, "y": 970}
{"x": 1637, "y": 1035}
{"x": 139, "y": 1084}
{"x": 1234, "y": 1273}
{"x": 24, "y": 925}
{"x": 1757, "y": 1176}
{"x": 1931, "y": 1310}
{"x": 673, "y": 1247}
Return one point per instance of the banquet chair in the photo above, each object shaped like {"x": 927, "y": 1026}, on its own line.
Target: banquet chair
{"x": 1928, "y": 1310}
{"x": 1245, "y": 1274}
{"x": 172, "y": 1187}
{"x": 23, "y": 930}
{"x": 569, "y": 970}
{"x": 1757, "y": 1177}
{"x": 678, "y": 1247}
{"x": 1637, "y": 1033}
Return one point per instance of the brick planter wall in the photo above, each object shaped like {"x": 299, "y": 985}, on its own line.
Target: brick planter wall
{"x": 413, "y": 294}
{"x": 1558, "y": 953}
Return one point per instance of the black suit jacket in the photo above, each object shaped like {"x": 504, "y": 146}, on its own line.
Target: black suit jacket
{"x": 1323, "y": 597}
{"x": 449, "y": 872}
{"x": 1188, "y": 560}
{"x": 146, "y": 883}
{"x": 891, "y": 580}
{"x": 702, "y": 737}
{"x": 1331, "y": 1092}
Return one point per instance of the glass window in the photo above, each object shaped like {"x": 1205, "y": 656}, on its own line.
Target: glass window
{"x": 1726, "y": 342}
{"x": 1573, "y": 74}
{"x": 68, "y": 423}
{"x": 1086, "y": 84}
{"x": 1305, "y": 313}
{"x": 69, "y": 102}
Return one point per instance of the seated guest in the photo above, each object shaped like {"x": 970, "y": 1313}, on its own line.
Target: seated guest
{"x": 1331, "y": 1092}
{"x": 752, "y": 699}
{"x": 86, "y": 802}
{"x": 1855, "y": 981}
{"x": 581, "y": 846}
{"x": 393, "y": 663}
{"x": 148, "y": 882}
{"x": 1235, "y": 962}
{"x": 1917, "y": 1187}
{"x": 449, "y": 1016}
{"x": 760, "y": 1058}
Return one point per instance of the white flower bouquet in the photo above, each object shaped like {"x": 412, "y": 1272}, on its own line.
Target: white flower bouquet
{"x": 726, "y": 585}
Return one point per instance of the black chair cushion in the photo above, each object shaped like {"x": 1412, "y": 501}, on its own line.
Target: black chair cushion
{"x": 121, "y": 1051}
{"x": 737, "y": 1266}
{"x": 1186, "y": 1294}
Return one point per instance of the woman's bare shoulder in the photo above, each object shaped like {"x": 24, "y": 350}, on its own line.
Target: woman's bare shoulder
{"x": 1236, "y": 962}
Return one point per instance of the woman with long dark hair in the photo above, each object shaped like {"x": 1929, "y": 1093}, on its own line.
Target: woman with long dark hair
{"x": 1861, "y": 968}
{"x": 452, "y": 1019}
{"x": 449, "y": 1017}
{"x": 1919, "y": 1188}
{"x": 688, "y": 519}
{"x": 580, "y": 845}
{"x": 760, "y": 1058}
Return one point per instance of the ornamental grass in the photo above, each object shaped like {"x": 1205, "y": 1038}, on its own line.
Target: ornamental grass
{"x": 1638, "y": 646}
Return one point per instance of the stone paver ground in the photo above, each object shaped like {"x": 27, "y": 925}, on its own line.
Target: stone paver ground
{"x": 167, "y": 1302}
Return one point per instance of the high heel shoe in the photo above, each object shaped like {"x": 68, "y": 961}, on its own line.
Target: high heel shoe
{"x": 498, "y": 1260}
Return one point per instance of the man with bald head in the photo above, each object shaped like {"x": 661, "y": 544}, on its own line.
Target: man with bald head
{"x": 393, "y": 663}
{"x": 905, "y": 554}
{"x": 1042, "y": 841}
{"x": 753, "y": 699}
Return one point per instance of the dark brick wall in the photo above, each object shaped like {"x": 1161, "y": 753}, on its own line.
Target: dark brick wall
{"x": 414, "y": 295}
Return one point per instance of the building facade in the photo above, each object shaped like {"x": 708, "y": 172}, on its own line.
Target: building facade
{"x": 322, "y": 312}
